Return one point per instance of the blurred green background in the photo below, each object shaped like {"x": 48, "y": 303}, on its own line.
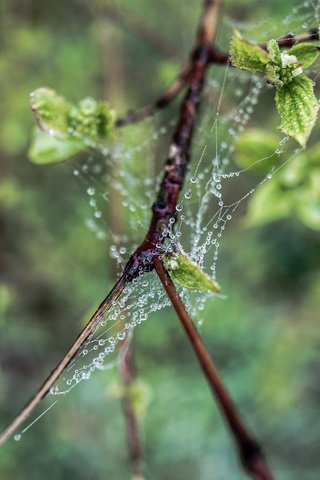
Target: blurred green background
{"x": 264, "y": 337}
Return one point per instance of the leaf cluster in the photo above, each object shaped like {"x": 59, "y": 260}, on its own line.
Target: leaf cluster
{"x": 295, "y": 99}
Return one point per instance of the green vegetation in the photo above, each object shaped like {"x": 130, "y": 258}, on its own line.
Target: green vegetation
{"x": 264, "y": 335}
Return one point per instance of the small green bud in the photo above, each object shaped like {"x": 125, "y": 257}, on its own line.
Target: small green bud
{"x": 188, "y": 274}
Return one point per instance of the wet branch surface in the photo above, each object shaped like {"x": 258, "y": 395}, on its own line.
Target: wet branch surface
{"x": 147, "y": 255}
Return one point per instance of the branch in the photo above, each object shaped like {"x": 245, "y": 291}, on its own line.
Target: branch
{"x": 249, "y": 449}
{"x": 162, "y": 102}
{"x": 58, "y": 370}
{"x": 291, "y": 39}
{"x": 128, "y": 375}
{"x": 205, "y": 31}
{"x": 221, "y": 58}
{"x": 163, "y": 209}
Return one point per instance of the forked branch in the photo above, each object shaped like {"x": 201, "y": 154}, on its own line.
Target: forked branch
{"x": 163, "y": 101}
{"x": 216, "y": 57}
{"x": 164, "y": 207}
{"x": 146, "y": 257}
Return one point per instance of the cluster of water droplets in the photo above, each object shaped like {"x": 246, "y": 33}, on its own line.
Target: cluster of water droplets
{"x": 140, "y": 298}
{"x": 127, "y": 171}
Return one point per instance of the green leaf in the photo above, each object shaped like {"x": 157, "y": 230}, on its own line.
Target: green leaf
{"x": 253, "y": 145}
{"x": 51, "y": 111}
{"x": 188, "y": 274}
{"x": 295, "y": 172}
{"x": 247, "y": 55}
{"x": 314, "y": 154}
{"x": 46, "y": 149}
{"x": 268, "y": 203}
{"x": 272, "y": 75}
{"x": 305, "y": 53}
{"x": 274, "y": 51}
{"x": 91, "y": 120}
{"x": 298, "y": 108}
{"x": 308, "y": 209}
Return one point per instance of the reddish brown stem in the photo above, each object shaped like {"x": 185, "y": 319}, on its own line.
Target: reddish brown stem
{"x": 162, "y": 102}
{"x": 215, "y": 56}
{"x": 164, "y": 207}
{"x": 250, "y": 451}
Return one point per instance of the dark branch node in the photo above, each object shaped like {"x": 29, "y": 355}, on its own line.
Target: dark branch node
{"x": 250, "y": 452}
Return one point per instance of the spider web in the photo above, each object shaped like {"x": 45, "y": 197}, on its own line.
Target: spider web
{"x": 209, "y": 202}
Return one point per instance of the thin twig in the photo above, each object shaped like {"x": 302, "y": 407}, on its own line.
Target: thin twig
{"x": 55, "y": 374}
{"x": 250, "y": 451}
{"x": 164, "y": 207}
{"x": 162, "y": 102}
{"x": 221, "y": 58}
{"x": 128, "y": 376}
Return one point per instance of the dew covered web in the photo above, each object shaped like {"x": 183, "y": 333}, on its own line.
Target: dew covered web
{"x": 208, "y": 203}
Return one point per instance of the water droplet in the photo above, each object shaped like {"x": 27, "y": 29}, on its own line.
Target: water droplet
{"x": 193, "y": 179}
{"x": 188, "y": 194}
{"x": 121, "y": 335}
{"x": 90, "y": 191}
{"x": 17, "y": 437}
{"x": 179, "y": 207}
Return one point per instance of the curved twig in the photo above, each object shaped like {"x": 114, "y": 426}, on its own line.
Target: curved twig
{"x": 162, "y": 102}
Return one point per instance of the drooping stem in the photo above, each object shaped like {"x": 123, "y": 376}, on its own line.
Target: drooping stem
{"x": 55, "y": 374}
{"x": 250, "y": 451}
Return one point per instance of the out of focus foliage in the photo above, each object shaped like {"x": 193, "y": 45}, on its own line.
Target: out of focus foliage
{"x": 293, "y": 192}
{"x": 264, "y": 336}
